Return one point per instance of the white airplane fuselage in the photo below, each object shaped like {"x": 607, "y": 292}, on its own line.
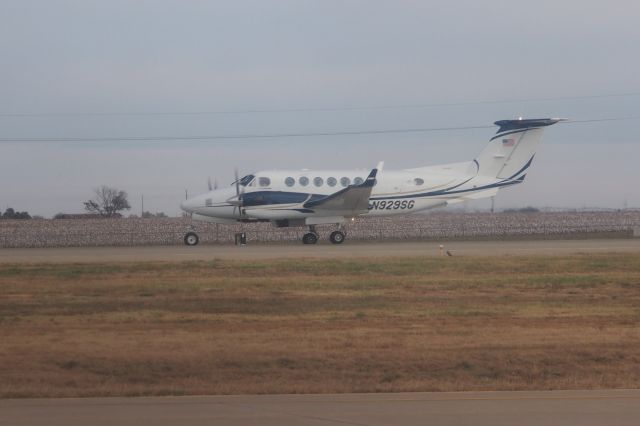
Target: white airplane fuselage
{"x": 312, "y": 197}
{"x": 395, "y": 192}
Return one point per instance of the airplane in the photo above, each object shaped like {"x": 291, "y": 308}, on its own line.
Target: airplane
{"x": 316, "y": 197}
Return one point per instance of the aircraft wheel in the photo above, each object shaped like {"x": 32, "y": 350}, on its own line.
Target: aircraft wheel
{"x": 337, "y": 237}
{"x": 191, "y": 239}
{"x": 309, "y": 238}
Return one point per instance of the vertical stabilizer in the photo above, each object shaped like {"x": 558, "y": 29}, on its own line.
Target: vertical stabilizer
{"x": 510, "y": 152}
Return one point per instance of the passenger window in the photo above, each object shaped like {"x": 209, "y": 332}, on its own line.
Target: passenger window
{"x": 289, "y": 181}
{"x": 345, "y": 181}
{"x": 418, "y": 181}
{"x": 318, "y": 181}
{"x": 304, "y": 181}
{"x": 331, "y": 181}
{"x": 358, "y": 181}
{"x": 264, "y": 181}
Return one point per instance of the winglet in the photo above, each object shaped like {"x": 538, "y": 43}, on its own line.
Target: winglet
{"x": 370, "y": 180}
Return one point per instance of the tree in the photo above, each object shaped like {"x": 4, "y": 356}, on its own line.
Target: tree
{"x": 148, "y": 215}
{"x": 10, "y": 213}
{"x": 522, "y": 210}
{"x": 108, "y": 202}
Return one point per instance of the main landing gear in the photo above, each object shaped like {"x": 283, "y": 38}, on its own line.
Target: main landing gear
{"x": 311, "y": 237}
{"x": 337, "y": 237}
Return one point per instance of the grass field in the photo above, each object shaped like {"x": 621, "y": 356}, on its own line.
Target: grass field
{"x": 314, "y": 326}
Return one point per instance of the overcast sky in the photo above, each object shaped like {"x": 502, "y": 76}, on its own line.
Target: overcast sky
{"x": 103, "y": 69}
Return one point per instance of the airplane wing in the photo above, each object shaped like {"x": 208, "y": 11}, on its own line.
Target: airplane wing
{"x": 351, "y": 201}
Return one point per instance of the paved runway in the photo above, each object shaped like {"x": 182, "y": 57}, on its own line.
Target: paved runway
{"x": 348, "y": 249}
{"x": 584, "y": 408}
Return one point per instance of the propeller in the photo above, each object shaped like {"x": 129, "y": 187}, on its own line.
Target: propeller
{"x": 215, "y": 184}
{"x": 239, "y": 193}
{"x": 235, "y": 171}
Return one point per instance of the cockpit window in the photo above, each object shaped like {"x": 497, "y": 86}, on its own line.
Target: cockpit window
{"x": 246, "y": 180}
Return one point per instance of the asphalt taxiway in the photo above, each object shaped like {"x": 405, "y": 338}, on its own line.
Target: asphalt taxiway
{"x": 349, "y": 249}
{"x": 568, "y": 408}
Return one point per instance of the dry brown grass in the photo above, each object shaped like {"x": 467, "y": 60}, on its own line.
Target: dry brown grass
{"x": 309, "y": 326}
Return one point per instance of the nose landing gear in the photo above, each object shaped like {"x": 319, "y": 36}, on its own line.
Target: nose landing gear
{"x": 191, "y": 238}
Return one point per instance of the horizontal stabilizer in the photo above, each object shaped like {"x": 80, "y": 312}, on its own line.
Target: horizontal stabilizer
{"x": 522, "y": 124}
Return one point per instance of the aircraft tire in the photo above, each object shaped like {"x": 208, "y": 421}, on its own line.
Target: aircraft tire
{"x": 337, "y": 237}
{"x": 191, "y": 239}
{"x": 309, "y": 238}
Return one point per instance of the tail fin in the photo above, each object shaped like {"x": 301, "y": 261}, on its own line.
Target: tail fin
{"x": 510, "y": 152}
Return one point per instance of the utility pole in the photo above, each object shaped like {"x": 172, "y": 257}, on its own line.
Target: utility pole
{"x": 492, "y": 200}
{"x": 142, "y": 209}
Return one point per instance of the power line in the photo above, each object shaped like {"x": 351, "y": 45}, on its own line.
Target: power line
{"x": 281, "y": 135}
{"x": 310, "y": 109}
{"x": 247, "y": 136}
{"x": 599, "y": 120}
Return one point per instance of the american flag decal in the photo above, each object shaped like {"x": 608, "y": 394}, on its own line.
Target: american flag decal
{"x": 508, "y": 142}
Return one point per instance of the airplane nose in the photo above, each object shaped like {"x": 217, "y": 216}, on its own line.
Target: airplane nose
{"x": 187, "y": 205}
